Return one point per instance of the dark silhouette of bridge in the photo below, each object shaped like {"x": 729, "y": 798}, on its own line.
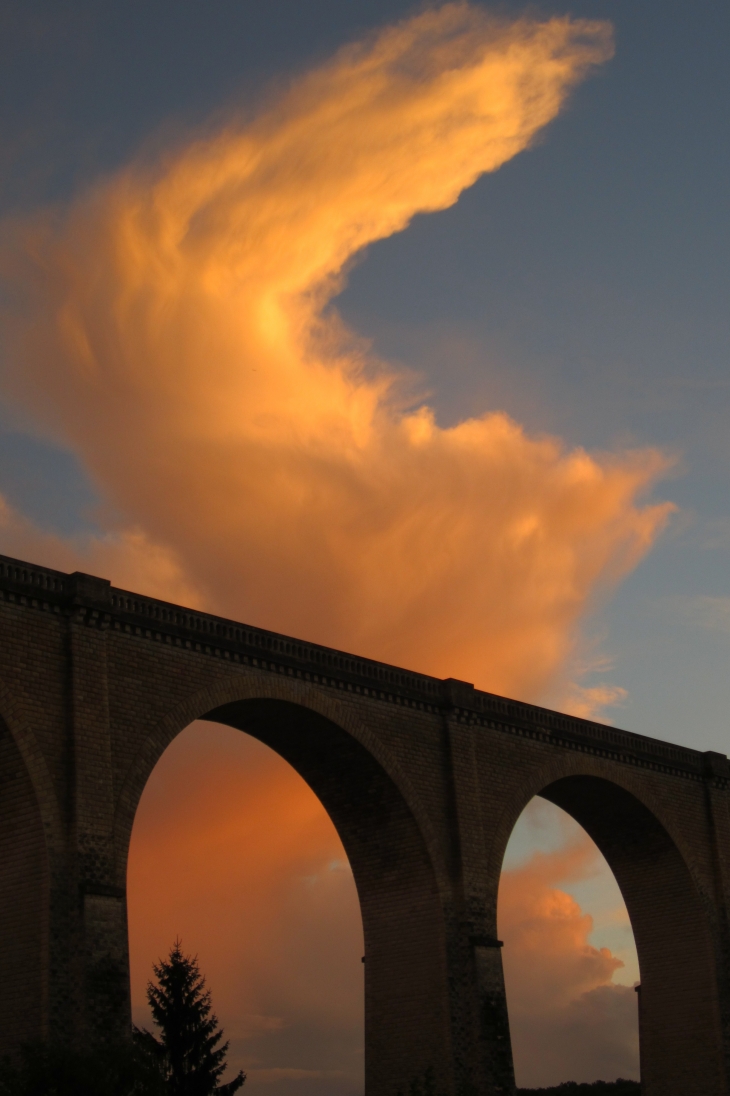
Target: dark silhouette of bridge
{"x": 424, "y": 780}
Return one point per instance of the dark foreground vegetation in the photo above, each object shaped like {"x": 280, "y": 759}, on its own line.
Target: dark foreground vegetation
{"x": 425, "y": 1085}
{"x": 58, "y": 1070}
{"x": 185, "y": 1058}
{"x": 598, "y": 1088}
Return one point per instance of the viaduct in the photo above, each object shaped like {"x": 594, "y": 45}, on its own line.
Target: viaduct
{"x": 424, "y": 780}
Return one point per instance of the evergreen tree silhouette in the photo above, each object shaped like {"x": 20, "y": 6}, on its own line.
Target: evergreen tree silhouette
{"x": 187, "y": 1048}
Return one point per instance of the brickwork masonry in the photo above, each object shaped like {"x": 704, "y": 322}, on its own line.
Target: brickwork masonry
{"x": 424, "y": 780}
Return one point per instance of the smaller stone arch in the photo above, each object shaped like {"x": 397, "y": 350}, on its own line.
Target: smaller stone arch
{"x": 389, "y": 849}
{"x": 680, "y": 1028}
{"x": 680, "y": 1023}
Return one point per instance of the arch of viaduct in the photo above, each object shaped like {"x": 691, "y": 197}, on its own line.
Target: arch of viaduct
{"x": 424, "y": 780}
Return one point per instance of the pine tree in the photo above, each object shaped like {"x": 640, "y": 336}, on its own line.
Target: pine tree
{"x": 187, "y": 1047}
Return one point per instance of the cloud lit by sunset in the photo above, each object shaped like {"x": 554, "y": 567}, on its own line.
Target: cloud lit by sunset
{"x": 174, "y": 327}
{"x": 567, "y": 1017}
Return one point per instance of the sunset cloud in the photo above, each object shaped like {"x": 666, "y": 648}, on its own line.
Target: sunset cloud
{"x": 129, "y": 555}
{"x": 568, "y": 1020}
{"x": 174, "y": 328}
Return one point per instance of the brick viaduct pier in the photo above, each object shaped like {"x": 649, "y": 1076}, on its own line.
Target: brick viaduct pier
{"x": 424, "y": 780}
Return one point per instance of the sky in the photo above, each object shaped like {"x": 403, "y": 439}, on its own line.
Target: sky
{"x": 403, "y": 329}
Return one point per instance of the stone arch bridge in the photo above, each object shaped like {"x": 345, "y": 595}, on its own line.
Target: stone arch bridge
{"x": 424, "y": 780}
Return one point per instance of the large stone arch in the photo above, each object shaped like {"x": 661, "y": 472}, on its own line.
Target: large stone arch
{"x": 673, "y": 917}
{"x": 200, "y": 704}
{"x": 389, "y": 841}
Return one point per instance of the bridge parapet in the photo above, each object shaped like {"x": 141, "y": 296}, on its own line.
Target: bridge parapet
{"x": 106, "y": 606}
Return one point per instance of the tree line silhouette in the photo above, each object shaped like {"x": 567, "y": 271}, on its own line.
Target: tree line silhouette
{"x": 620, "y": 1087}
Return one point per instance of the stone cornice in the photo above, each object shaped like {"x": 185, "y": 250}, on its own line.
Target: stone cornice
{"x": 95, "y": 602}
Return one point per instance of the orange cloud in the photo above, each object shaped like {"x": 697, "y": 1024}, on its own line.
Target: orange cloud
{"x": 568, "y": 1020}
{"x": 171, "y": 327}
{"x": 129, "y": 556}
{"x": 546, "y": 935}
